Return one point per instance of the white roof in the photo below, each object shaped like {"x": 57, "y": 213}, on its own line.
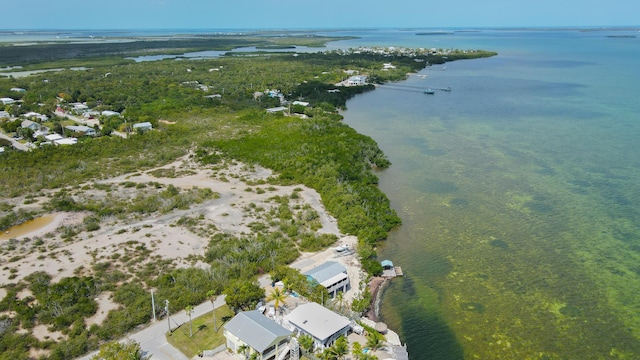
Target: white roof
{"x": 53, "y": 137}
{"x": 80, "y": 128}
{"x": 143, "y": 125}
{"x": 67, "y": 141}
{"x": 333, "y": 280}
{"x": 276, "y": 109}
{"x": 317, "y": 321}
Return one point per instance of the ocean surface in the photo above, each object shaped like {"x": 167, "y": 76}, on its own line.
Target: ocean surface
{"x": 519, "y": 191}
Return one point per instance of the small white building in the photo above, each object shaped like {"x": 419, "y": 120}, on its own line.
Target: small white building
{"x": 276, "y": 110}
{"x": 17, "y": 89}
{"x": 143, "y": 126}
{"x": 66, "y": 141}
{"x": 7, "y": 101}
{"x": 32, "y": 115}
{"x": 4, "y": 115}
{"x": 53, "y": 137}
{"x": 110, "y": 113}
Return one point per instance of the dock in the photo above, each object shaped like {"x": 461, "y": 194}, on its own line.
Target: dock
{"x": 398, "y": 271}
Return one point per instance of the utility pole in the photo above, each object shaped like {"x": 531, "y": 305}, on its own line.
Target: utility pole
{"x": 153, "y": 306}
{"x": 166, "y": 308}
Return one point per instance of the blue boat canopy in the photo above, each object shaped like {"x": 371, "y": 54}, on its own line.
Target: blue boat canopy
{"x": 386, "y": 263}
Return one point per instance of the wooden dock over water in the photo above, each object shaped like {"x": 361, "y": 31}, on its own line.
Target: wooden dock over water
{"x": 398, "y": 271}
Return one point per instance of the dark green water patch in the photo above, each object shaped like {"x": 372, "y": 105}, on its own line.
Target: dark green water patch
{"x": 436, "y": 265}
{"x": 579, "y": 191}
{"x": 570, "y": 311}
{"x": 423, "y": 146}
{"x": 539, "y": 207}
{"x": 581, "y": 183}
{"x": 459, "y": 202}
{"x": 501, "y": 244}
{"x": 474, "y": 307}
{"x": 546, "y": 171}
{"x": 434, "y": 152}
{"x": 434, "y": 186}
{"x": 436, "y": 341}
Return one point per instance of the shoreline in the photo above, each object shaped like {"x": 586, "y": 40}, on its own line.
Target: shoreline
{"x": 376, "y": 288}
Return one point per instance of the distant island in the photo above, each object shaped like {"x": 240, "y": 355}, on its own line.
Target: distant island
{"x": 435, "y": 33}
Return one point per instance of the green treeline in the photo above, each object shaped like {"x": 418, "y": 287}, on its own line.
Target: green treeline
{"x": 325, "y": 155}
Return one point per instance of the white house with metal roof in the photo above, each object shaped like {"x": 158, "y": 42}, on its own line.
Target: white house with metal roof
{"x": 322, "y": 324}
{"x": 332, "y": 275}
{"x": 143, "y": 126}
{"x": 82, "y": 129}
{"x": 260, "y": 334}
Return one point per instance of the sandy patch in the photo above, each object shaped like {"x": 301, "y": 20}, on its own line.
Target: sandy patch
{"x": 42, "y": 333}
{"x": 105, "y": 304}
{"x": 241, "y": 188}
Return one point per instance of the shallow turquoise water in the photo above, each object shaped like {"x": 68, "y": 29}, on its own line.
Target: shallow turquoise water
{"x": 519, "y": 196}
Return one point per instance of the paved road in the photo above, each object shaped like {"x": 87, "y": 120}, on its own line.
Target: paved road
{"x": 15, "y": 143}
{"x": 153, "y": 340}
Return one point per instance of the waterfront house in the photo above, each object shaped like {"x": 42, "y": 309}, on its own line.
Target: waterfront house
{"x": 357, "y": 80}
{"x": 332, "y": 275}
{"x": 258, "y": 334}
{"x": 322, "y": 324}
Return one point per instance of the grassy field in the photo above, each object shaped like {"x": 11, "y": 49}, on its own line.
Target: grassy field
{"x": 204, "y": 336}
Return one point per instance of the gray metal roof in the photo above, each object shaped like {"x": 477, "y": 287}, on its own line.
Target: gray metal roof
{"x": 256, "y": 330}
{"x": 326, "y": 271}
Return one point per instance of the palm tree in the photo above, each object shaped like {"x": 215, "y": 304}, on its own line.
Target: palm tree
{"x": 306, "y": 342}
{"x": 375, "y": 340}
{"x": 340, "y": 301}
{"x": 189, "y": 310}
{"x": 368, "y": 356}
{"x": 340, "y": 348}
{"x": 356, "y": 350}
{"x": 212, "y": 296}
{"x": 243, "y": 349}
{"x": 278, "y": 297}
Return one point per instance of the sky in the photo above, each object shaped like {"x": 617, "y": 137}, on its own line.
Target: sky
{"x": 320, "y": 14}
